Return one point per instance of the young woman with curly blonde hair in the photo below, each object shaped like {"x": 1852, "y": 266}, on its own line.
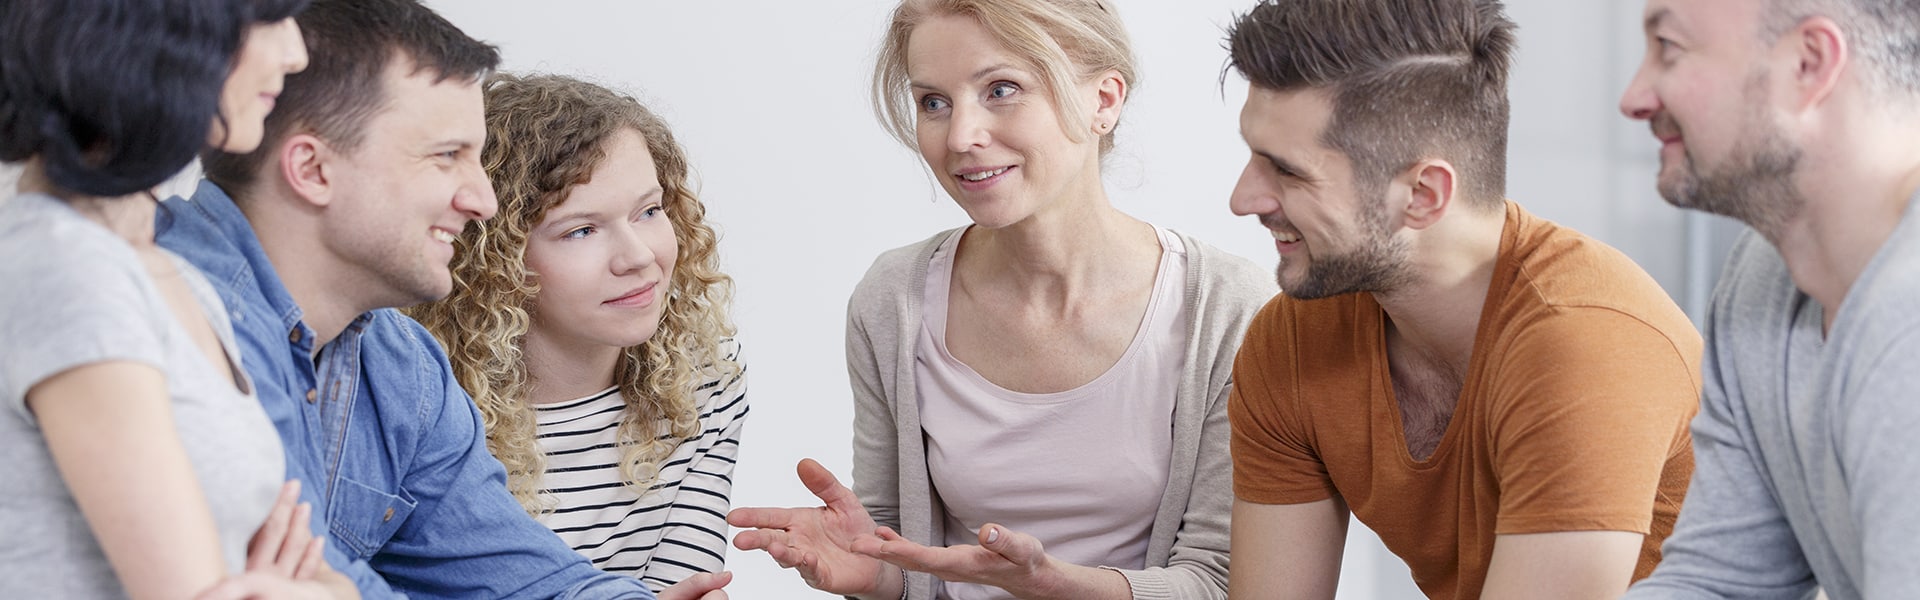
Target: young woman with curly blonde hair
{"x": 589, "y": 322}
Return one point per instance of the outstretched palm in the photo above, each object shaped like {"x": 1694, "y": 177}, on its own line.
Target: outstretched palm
{"x": 817, "y": 541}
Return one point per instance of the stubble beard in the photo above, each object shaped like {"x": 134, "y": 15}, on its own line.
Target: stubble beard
{"x": 1378, "y": 266}
{"x": 1756, "y": 186}
{"x": 406, "y": 276}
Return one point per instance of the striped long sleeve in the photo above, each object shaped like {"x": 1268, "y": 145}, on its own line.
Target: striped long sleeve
{"x": 678, "y": 527}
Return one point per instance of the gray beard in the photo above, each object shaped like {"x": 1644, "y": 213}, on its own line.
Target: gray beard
{"x": 1757, "y": 190}
{"x": 1756, "y": 187}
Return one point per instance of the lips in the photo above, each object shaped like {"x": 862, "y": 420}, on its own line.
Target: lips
{"x": 636, "y": 298}
{"x": 1287, "y": 242}
{"x": 1664, "y": 128}
{"x": 980, "y": 178}
{"x": 1286, "y": 239}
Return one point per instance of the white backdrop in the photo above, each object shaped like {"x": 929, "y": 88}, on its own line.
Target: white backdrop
{"x": 769, "y": 96}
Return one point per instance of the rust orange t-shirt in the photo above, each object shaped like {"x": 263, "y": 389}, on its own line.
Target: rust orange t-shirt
{"x": 1573, "y": 415}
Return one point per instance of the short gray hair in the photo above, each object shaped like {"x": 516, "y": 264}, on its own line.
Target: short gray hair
{"x": 1885, "y": 35}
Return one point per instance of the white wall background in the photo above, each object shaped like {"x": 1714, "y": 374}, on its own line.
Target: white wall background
{"x": 770, "y": 99}
{"x": 769, "y": 96}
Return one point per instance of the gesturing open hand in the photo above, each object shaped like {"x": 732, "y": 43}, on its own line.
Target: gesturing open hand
{"x": 817, "y": 542}
{"x": 1005, "y": 558}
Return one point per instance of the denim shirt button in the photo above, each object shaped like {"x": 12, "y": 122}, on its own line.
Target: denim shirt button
{"x": 294, "y": 336}
{"x": 389, "y": 515}
{"x": 312, "y": 395}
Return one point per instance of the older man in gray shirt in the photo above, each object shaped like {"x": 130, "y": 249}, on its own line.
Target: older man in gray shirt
{"x": 1802, "y": 119}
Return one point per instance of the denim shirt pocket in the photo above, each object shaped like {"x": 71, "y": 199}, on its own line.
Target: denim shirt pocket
{"x": 364, "y": 518}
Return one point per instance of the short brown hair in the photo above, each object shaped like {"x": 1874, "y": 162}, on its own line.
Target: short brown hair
{"x": 350, "y": 43}
{"x": 1410, "y": 79}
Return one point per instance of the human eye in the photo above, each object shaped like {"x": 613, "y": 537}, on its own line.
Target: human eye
{"x": 931, "y": 103}
{"x": 1002, "y": 89}
{"x": 652, "y": 211}
{"x": 578, "y": 232}
{"x": 1665, "y": 48}
{"x": 446, "y": 159}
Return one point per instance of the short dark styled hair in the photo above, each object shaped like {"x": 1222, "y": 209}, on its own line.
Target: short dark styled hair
{"x": 350, "y": 44}
{"x": 116, "y": 96}
{"x": 1408, "y": 80}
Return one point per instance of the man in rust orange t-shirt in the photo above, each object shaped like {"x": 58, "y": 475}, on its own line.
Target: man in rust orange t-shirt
{"x": 1504, "y": 400}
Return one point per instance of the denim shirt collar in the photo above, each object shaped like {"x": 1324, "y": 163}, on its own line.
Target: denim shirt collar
{"x": 211, "y": 232}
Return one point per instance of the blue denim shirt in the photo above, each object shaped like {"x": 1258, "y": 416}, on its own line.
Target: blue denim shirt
{"x": 390, "y": 450}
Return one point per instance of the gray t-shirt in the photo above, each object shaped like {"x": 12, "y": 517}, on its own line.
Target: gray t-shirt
{"x": 71, "y": 294}
{"x": 1807, "y": 446}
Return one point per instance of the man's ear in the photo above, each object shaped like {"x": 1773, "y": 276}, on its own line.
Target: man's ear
{"x": 1820, "y": 52}
{"x": 1432, "y": 188}
{"x": 306, "y": 169}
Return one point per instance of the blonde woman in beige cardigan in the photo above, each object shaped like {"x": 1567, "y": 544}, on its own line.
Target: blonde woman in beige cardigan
{"x": 1040, "y": 397}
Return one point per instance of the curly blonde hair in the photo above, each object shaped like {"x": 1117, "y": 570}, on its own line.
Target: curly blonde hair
{"x": 545, "y": 135}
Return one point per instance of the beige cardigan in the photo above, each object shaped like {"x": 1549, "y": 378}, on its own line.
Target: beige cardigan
{"x": 1187, "y": 551}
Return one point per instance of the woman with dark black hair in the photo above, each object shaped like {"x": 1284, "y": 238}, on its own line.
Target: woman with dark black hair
{"x": 138, "y": 463}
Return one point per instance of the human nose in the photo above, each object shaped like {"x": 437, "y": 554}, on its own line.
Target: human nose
{"x": 1639, "y": 102}
{"x": 296, "y": 47}
{"x": 631, "y": 251}
{"x": 967, "y": 128}
{"x": 1252, "y": 195}
{"x": 475, "y": 197}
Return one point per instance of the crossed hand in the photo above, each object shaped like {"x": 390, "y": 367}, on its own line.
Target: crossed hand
{"x": 701, "y": 586}
{"x": 837, "y": 548}
{"x": 285, "y": 561}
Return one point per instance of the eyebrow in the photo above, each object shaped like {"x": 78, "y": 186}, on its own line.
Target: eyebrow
{"x": 977, "y": 75}
{"x": 450, "y": 144}
{"x": 1286, "y": 169}
{"x": 563, "y": 218}
{"x": 651, "y": 197}
{"x": 1656, "y": 18}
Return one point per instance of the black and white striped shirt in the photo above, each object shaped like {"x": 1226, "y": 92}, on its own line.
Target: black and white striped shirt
{"x": 678, "y": 528}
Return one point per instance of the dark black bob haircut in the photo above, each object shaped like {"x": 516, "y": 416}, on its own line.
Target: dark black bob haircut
{"x": 115, "y": 96}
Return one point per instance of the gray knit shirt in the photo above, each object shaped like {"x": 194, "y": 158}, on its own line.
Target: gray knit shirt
{"x": 1187, "y": 551}
{"x": 1807, "y": 450}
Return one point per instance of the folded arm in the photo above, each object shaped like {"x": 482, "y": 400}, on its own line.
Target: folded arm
{"x": 110, "y": 429}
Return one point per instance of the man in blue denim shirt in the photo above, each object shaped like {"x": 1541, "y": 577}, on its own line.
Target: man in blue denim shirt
{"x": 369, "y": 167}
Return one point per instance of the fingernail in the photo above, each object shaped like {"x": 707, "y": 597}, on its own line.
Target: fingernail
{"x": 993, "y": 534}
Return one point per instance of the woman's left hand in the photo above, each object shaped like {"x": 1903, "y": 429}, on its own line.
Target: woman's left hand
{"x": 284, "y": 545}
{"x": 701, "y": 586}
{"x": 266, "y": 585}
{"x": 1006, "y": 559}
